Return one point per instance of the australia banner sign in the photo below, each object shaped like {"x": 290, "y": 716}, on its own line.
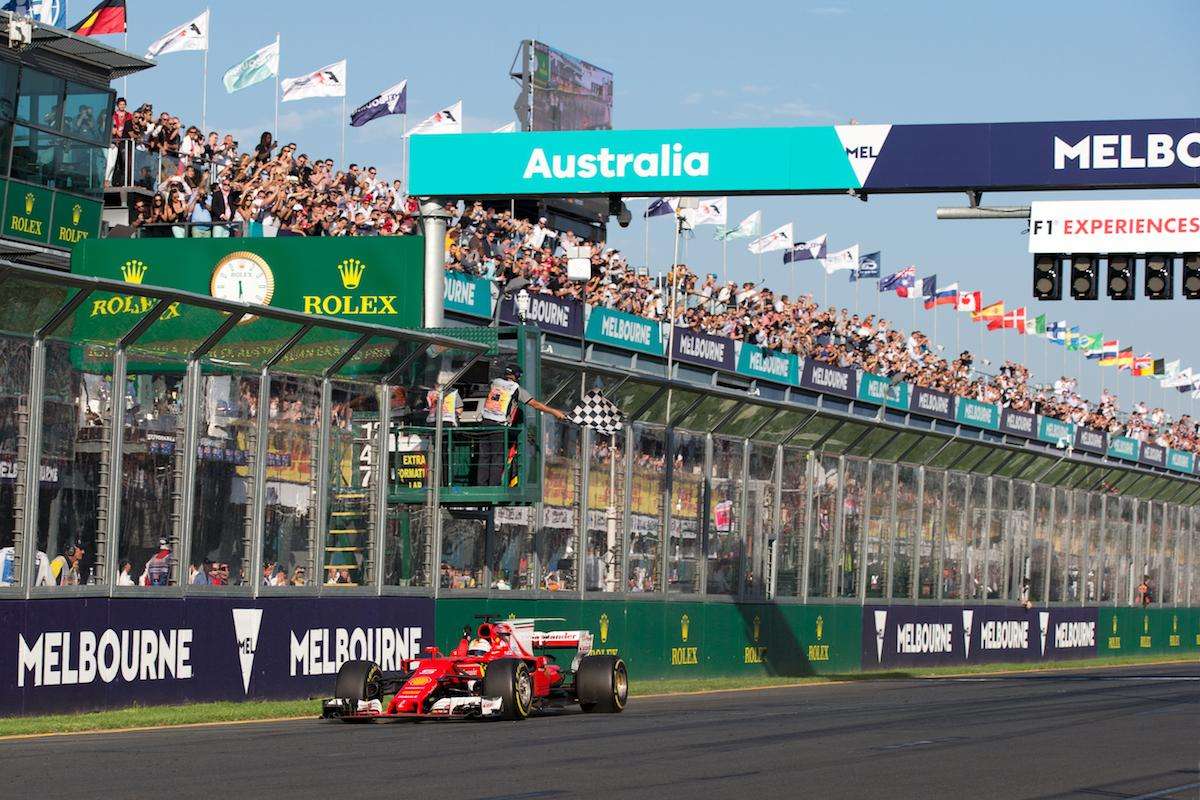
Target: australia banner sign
{"x": 85, "y": 654}
{"x": 918, "y": 636}
{"x": 812, "y": 159}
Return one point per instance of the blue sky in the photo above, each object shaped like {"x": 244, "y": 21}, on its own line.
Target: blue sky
{"x": 767, "y": 63}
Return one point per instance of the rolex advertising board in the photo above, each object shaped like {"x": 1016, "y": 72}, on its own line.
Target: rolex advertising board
{"x": 375, "y": 280}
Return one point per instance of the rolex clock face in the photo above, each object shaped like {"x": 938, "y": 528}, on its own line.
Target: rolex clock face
{"x": 243, "y": 278}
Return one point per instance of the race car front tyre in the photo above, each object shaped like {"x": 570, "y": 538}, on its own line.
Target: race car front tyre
{"x": 509, "y": 679}
{"x": 358, "y": 680}
{"x": 602, "y": 684}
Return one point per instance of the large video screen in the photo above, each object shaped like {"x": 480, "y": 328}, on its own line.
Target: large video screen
{"x": 569, "y": 94}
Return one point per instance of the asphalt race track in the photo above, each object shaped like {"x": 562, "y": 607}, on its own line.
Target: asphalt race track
{"x": 1118, "y": 733}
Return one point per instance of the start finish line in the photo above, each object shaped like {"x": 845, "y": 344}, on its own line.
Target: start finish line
{"x": 1014, "y": 156}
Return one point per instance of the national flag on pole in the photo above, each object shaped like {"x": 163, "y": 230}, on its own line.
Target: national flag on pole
{"x": 1142, "y": 366}
{"x": 709, "y": 211}
{"x": 807, "y": 251}
{"x": 868, "y": 266}
{"x": 988, "y": 313}
{"x": 929, "y": 286}
{"x": 1106, "y": 350}
{"x": 750, "y": 226}
{"x": 389, "y": 101}
{"x": 660, "y": 207}
{"x": 1125, "y": 358}
{"x": 448, "y": 120}
{"x": 1180, "y": 380}
{"x": 261, "y": 65}
{"x": 1057, "y": 331}
{"x": 47, "y": 12}
{"x": 1013, "y": 320}
{"x": 969, "y": 301}
{"x": 842, "y": 259}
{"x": 945, "y": 296}
{"x": 1088, "y": 342}
{"x": 328, "y": 81}
{"x": 1039, "y": 325}
{"x": 188, "y": 36}
{"x": 778, "y": 239}
{"x": 107, "y": 17}
{"x": 905, "y": 278}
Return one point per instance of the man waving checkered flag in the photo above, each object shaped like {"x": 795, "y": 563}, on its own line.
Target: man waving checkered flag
{"x": 599, "y": 414}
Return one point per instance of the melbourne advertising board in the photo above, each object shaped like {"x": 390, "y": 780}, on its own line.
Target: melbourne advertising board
{"x": 914, "y": 636}
{"x": 368, "y": 279}
{"x": 78, "y": 654}
{"x": 813, "y": 159}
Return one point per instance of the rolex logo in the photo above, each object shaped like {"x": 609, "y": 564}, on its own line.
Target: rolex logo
{"x": 1114, "y": 623}
{"x": 603, "y": 628}
{"x": 820, "y": 627}
{"x": 76, "y": 213}
{"x": 757, "y": 626}
{"x": 351, "y": 271}
{"x": 133, "y": 271}
{"x": 29, "y": 199}
{"x": 684, "y": 623}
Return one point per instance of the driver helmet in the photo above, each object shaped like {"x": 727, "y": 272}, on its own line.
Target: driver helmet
{"x": 479, "y": 647}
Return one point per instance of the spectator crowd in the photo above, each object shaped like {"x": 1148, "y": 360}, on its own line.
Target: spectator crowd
{"x": 206, "y": 184}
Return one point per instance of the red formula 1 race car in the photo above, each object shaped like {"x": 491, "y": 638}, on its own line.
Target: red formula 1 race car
{"x": 503, "y": 671}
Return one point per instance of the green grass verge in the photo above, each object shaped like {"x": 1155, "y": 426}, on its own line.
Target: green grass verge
{"x": 162, "y": 716}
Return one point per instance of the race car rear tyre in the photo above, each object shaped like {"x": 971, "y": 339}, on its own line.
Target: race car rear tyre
{"x": 602, "y": 684}
{"x": 509, "y": 679}
{"x": 358, "y": 680}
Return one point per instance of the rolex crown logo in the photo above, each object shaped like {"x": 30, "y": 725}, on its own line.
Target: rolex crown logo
{"x": 29, "y": 202}
{"x": 603, "y": 628}
{"x": 76, "y": 213}
{"x": 351, "y": 271}
{"x": 820, "y": 627}
{"x": 133, "y": 271}
{"x": 684, "y": 623}
{"x": 757, "y": 626}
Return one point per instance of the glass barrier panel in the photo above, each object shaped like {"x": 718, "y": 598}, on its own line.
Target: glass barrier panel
{"x": 87, "y": 112}
{"x": 726, "y": 518}
{"x": 1043, "y": 529}
{"x": 932, "y": 526}
{"x": 464, "y": 547}
{"x": 223, "y": 492}
{"x": 1075, "y": 547}
{"x": 351, "y": 500}
{"x": 896, "y": 447}
{"x": 926, "y": 448}
{"x": 952, "y": 542}
{"x": 14, "y": 432}
{"x": 647, "y": 507}
{"x": 812, "y": 432}
{"x": 1013, "y": 467}
{"x": 290, "y": 523}
{"x": 746, "y": 420}
{"x": 998, "y": 581}
{"x": 316, "y": 351}
{"x": 606, "y": 493}
{"x": 630, "y": 396}
{"x": 976, "y": 536}
{"x": 874, "y": 440}
{"x": 854, "y": 504}
{"x": 908, "y": 501}
{"x": 29, "y": 304}
{"x": 76, "y": 432}
{"x": 845, "y": 435}
{"x": 1092, "y": 547}
{"x": 511, "y": 564}
{"x": 793, "y": 517}
{"x": 949, "y": 455}
{"x": 680, "y": 401}
{"x": 779, "y": 426}
{"x": 992, "y": 461}
{"x": 1020, "y": 534}
{"x": 40, "y": 98}
{"x": 1124, "y": 543}
{"x": 707, "y": 414}
{"x": 687, "y": 494}
{"x": 1167, "y": 591}
{"x": 151, "y": 471}
{"x": 557, "y": 543}
{"x": 826, "y": 479}
{"x": 1060, "y": 535}
{"x": 1154, "y": 554}
{"x": 408, "y": 545}
{"x": 760, "y": 520}
{"x": 974, "y": 456}
{"x": 879, "y": 528}
{"x": 1194, "y": 578}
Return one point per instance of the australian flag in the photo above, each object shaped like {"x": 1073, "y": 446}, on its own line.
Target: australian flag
{"x": 660, "y": 207}
{"x": 904, "y": 279}
{"x": 390, "y": 101}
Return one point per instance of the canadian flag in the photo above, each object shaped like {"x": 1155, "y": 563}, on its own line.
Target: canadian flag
{"x": 970, "y": 301}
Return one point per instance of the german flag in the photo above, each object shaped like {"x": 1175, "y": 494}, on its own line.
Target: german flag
{"x": 107, "y": 17}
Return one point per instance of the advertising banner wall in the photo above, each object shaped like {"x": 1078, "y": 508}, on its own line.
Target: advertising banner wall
{"x": 85, "y": 654}
{"x": 771, "y": 365}
{"x": 1115, "y": 226}
{"x": 879, "y": 390}
{"x": 549, "y": 313}
{"x": 701, "y": 348}
{"x": 1091, "y": 441}
{"x": 977, "y": 414}
{"x": 1018, "y": 423}
{"x": 916, "y": 636}
{"x": 931, "y": 403}
{"x": 468, "y": 294}
{"x": 812, "y": 159}
{"x": 627, "y": 331}
{"x": 1123, "y": 447}
{"x": 1180, "y": 461}
{"x": 1056, "y": 432}
{"x": 1153, "y": 454}
{"x": 828, "y": 379}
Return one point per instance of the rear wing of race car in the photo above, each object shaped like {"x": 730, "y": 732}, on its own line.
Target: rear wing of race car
{"x": 524, "y": 639}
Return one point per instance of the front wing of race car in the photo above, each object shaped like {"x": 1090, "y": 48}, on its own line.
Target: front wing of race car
{"x": 443, "y": 708}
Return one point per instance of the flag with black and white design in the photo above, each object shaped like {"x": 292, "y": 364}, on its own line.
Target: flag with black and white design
{"x": 599, "y": 414}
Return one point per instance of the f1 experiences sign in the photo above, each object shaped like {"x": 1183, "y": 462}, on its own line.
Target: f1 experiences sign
{"x": 921, "y": 636}
{"x": 79, "y": 654}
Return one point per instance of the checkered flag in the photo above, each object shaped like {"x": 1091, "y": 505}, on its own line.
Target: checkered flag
{"x": 598, "y": 414}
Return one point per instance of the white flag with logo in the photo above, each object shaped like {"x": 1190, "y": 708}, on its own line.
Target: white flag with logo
{"x": 778, "y": 239}
{"x": 448, "y": 120}
{"x": 842, "y": 259}
{"x": 709, "y": 211}
{"x": 327, "y": 81}
{"x": 188, "y": 36}
{"x": 750, "y": 226}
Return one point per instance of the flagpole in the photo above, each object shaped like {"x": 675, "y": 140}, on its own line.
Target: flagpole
{"x": 404, "y": 143}
{"x": 278, "y": 67}
{"x": 345, "y": 91}
{"x": 204, "y": 87}
{"x": 725, "y": 259}
{"x": 826, "y": 303}
{"x": 125, "y": 80}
